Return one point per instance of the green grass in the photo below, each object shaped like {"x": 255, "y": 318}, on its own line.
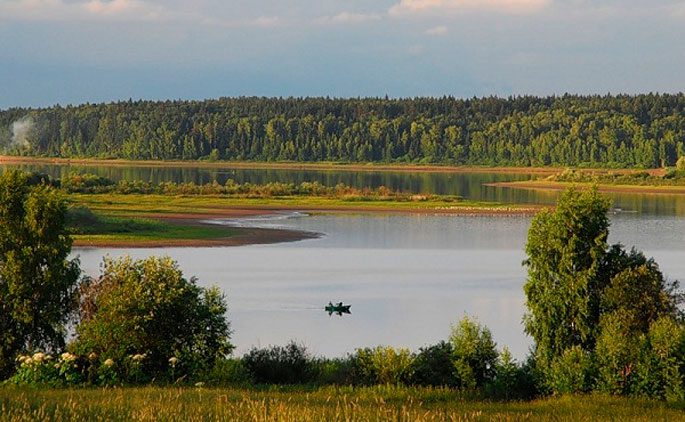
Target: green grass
{"x": 94, "y": 228}
{"x": 329, "y": 403}
{"x": 140, "y": 205}
{"x": 127, "y": 219}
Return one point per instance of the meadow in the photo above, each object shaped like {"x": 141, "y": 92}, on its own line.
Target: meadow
{"x": 302, "y": 404}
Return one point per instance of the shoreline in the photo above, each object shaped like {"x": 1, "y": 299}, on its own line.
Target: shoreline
{"x": 320, "y": 166}
{"x": 262, "y": 235}
{"x": 605, "y": 188}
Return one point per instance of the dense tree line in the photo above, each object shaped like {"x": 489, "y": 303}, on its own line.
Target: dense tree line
{"x": 608, "y": 131}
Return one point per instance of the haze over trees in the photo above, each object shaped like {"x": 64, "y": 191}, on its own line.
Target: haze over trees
{"x": 602, "y": 131}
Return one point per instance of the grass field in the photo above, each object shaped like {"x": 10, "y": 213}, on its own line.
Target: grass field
{"x": 330, "y": 403}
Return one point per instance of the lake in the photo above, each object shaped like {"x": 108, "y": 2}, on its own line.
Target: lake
{"x": 407, "y": 277}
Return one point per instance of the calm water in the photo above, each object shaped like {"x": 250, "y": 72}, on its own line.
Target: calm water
{"x": 467, "y": 185}
{"x": 407, "y": 277}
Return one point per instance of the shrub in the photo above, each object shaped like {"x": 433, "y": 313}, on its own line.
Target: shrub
{"x": 661, "y": 366}
{"x": 434, "y": 366}
{"x": 571, "y": 372}
{"x": 338, "y": 371}
{"x": 226, "y": 372}
{"x": 382, "y": 365}
{"x": 142, "y": 313}
{"x": 511, "y": 381}
{"x": 291, "y": 364}
{"x": 475, "y": 353}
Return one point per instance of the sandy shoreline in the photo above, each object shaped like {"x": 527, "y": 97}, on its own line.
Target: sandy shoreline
{"x": 258, "y": 235}
{"x": 418, "y": 168}
{"x": 557, "y": 186}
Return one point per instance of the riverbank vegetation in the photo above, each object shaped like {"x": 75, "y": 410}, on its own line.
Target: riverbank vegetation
{"x": 642, "y": 131}
{"x": 605, "y": 323}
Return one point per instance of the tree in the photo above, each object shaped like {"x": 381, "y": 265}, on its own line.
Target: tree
{"x": 565, "y": 249}
{"x": 146, "y": 307}
{"x": 37, "y": 282}
{"x": 475, "y": 353}
{"x": 589, "y": 304}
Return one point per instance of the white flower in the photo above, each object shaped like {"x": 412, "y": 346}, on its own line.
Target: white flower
{"x": 173, "y": 361}
{"x": 38, "y": 357}
{"x": 108, "y": 363}
{"x": 68, "y": 357}
{"x": 138, "y": 357}
{"x": 92, "y": 356}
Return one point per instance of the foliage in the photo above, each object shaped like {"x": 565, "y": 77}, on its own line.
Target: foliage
{"x": 565, "y": 250}
{"x": 291, "y": 364}
{"x": 607, "y": 131}
{"x": 142, "y": 313}
{"x": 475, "y": 353}
{"x": 571, "y": 372}
{"x": 37, "y": 282}
{"x": 382, "y": 365}
{"x": 434, "y": 366}
{"x": 592, "y": 308}
{"x": 512, "y": 381}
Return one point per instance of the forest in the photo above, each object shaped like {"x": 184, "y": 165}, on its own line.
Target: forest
{"x": 622, "y": 131}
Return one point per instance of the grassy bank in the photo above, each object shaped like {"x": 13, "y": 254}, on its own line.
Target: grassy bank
{"x": 176, "y": 220}
{"x": 286, "y": 404}
{"x": 285, "y": 165}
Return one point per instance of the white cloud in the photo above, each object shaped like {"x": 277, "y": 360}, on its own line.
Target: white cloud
{"x": 349, "y": 18}
{"x": 438, "y": 30}
{"x": 60, "y": 10}
{"x": 408, "y": 7}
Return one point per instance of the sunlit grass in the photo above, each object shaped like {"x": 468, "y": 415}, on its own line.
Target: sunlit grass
{"x": 330, "y": 403}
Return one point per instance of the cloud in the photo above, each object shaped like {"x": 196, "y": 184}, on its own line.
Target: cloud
{"x": 411, "y": 7}
{"x": 348, "y": 18}
{"x": 438, "y": 30}
{"x": 60, "y": 10}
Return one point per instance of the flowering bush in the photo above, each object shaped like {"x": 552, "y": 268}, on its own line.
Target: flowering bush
{"x": 142, "y": 313}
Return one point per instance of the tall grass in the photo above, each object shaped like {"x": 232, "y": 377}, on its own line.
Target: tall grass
{"x": 287, "y": 404}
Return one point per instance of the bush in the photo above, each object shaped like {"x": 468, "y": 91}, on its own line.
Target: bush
{"x": 510, "y": 380}
{"x": 571, "y": 372}
{"x": 475, "y": 353}
{"x": 227, "y": 372}
{"x": 291, "y": 364}
{"x": 150, "y": 321}
{"x": 382, "y": 365}
{"x": 433, "y": 366}
{"x": 661, "y": 367}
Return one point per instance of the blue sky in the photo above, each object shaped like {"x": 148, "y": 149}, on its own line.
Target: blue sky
{"x": 74, "y": 51}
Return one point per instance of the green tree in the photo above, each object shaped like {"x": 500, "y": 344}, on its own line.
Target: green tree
{"x": 565, "y": 249}
{"x": 475, "y": 353}
{"x": 146, "y": 307}
{"x": 37, "y": 282}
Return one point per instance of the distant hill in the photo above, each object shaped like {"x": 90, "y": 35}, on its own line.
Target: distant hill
{"x": 600, "y": 131}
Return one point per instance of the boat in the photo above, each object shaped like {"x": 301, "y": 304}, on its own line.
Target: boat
{"x": 337, "y": 308}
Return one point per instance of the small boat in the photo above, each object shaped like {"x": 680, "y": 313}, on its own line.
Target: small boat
{"x": 337, "y": 308}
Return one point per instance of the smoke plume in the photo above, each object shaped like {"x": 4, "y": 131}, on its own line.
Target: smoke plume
{"x": 21, "y": 132}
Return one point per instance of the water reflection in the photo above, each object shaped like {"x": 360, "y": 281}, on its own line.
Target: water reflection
{"x": 468, "y": 185}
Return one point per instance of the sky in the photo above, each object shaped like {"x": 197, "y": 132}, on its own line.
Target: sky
{"x": 76, "y": 51}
